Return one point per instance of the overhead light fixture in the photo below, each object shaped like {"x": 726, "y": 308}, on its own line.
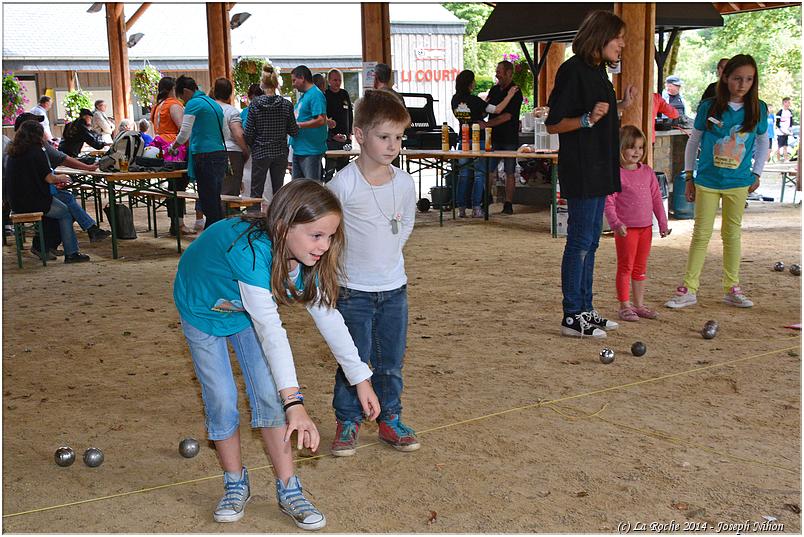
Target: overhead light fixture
{"x": 238, "y": 19}
{"x": 133, "y": 39}
{"x": 94, "y": 8}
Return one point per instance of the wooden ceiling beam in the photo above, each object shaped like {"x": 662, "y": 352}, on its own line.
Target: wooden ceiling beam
{"x": 137, "y": 14}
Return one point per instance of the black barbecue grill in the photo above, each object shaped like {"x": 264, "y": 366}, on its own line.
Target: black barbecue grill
{"x": 424, "y": 131}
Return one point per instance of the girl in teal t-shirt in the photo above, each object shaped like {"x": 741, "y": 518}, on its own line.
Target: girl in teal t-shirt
{"x": 731, "y": 130}
{"x": 227, "y": 287}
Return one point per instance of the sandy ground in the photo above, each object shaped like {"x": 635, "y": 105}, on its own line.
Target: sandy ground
{"x": 522, "y": 430}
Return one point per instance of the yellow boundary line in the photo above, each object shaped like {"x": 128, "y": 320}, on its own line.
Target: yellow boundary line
{"x": 540, "y": 403}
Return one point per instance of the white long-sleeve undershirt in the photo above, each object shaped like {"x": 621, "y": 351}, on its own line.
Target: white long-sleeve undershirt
{"x": 261, "y": 307}
{"x": 187, "y": 122}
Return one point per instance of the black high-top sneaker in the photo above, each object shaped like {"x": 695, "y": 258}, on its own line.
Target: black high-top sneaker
{"x": 597, "y": 321}
{"x": 578, "y": 326}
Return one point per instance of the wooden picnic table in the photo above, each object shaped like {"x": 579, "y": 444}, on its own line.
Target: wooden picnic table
{"x": 444, "y": 156}
{"x": 147, "y": 184}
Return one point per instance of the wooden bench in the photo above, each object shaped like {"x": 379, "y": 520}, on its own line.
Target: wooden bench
{"x": 35, "y": 220}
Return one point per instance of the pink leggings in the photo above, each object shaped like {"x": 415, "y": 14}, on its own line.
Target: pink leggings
{"x": 632, "y": 258}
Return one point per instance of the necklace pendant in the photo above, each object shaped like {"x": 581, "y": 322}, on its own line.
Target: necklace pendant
{"x": 394, "y": 226}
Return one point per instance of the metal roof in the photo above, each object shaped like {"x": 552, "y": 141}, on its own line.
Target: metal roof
{"x": 176, "y": 38}
{"x": 559, "y": 21}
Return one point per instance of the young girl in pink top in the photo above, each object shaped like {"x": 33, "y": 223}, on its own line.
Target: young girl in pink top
{"x": 629, "y": 214}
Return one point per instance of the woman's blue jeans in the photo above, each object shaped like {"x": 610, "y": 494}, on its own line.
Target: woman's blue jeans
{"x": 210, "y": 169}
{"x": 468, "y": 168}
{"x": 378, "y": 323}
{"x": 60, "y": 212}
{"x": 584, "y": 224}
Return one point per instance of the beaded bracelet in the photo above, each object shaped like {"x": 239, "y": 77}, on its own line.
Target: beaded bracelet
{"x": 298, "y": 396}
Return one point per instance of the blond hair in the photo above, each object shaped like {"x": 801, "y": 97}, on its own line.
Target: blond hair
{"x": 270, "y": 77}
{"x": 378, "y": 106}
{"x": 629, "y": 135}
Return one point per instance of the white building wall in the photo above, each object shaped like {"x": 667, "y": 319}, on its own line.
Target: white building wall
{"x": 428, "y": 63}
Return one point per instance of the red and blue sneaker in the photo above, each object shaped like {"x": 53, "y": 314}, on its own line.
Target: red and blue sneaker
{"x": 345, "y": 443}
{"x": 401, "y": 437}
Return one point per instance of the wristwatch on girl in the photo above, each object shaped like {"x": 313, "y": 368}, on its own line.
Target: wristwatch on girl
{"x": 688, "y": 175}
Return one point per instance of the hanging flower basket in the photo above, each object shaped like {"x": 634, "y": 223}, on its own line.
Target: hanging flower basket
{"x": 13, "y": 98}
{"x": 144, "y": 85}
{"x": 74, "y": 101}
{"x": 247, "y": 71}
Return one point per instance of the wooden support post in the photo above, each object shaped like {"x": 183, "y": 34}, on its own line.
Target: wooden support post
{"x": 70, "y": 80}
{"x": 118, "y": 61}
{"x": 547, "y": 78}
{"x": 637, "y": 66}
{"x": 376, "y": 32}
{"x": 219, "y": 39}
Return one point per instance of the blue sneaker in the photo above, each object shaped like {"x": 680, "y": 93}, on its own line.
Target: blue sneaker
{"x": 401, "y": 437}
{"x": 293, "y": 503}
{"x": 238, "y": 492}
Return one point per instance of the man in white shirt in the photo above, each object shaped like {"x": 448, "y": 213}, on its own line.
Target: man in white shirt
{"x": 45, "y": 103}
{"x": 784, "y": 124}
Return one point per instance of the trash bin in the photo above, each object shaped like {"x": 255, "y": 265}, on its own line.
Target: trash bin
{"x": 682, "y": 209}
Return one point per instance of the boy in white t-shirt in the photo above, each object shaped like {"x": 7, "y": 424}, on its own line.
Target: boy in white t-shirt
{"x": 379, "y": 206}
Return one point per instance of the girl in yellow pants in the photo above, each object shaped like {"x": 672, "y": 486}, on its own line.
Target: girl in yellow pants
{"x": 730, "y": 130}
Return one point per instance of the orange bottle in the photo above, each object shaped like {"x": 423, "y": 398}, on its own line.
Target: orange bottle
{"x": 465, "y": 137}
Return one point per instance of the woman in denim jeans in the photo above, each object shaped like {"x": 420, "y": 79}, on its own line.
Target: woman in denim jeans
{"x": 249, "y": 266}
{"x": 204, "y": 125}
{"x": 31, "y": 177}
{"x": 470, "y": 109}
{"x": 584, "y": 113}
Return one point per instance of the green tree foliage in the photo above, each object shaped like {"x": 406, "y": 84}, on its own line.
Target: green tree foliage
{"x": 482, "y": 58}
{"x": 771, "y": 36}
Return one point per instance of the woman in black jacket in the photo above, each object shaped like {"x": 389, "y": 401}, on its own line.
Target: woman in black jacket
{"x": 77, "y": 133}
{"x": 31, "y": 176}
{"x": 583, "y": 112}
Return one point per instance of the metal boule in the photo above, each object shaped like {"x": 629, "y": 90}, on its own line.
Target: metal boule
{"x": 93, "y": 457}
{"x": 64, "y": 456}
{"x": 795, "y": 269}
{"x": 638, "y": 349}
{"x": 779, "y": 266}
{"x": 710, "y": 329}
{"x": 607, "y": 355}
{"x": 189, "y": 448}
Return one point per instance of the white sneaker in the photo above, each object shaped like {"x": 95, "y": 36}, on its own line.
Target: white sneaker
{"x": 735, "y": 297}
{"x": 682, "y": 299}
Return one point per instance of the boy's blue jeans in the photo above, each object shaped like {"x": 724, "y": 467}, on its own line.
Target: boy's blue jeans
{"x": 78, "y": 213}
{"x": 378, "y": 323}
{"x": 584, "y": 224}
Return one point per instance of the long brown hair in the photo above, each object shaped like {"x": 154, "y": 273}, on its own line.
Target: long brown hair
{"x": 750, "y": 101}
{"x": 299, "y": 202}
{"x": 27, "y": 136}
{"x": 597, "y": 29}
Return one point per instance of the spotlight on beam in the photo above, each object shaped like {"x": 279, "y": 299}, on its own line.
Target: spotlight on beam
{"x": 238, "y": 19}
{"x": 133, "y": 39}
{"x": 94, "y": 8}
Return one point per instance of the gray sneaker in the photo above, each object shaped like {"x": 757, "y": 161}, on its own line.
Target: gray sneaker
{"x": 232, "y": 505}
{"x": 735, "y": 297}
{"x": 684, "y": 297}
{"x": 293, "y": 503}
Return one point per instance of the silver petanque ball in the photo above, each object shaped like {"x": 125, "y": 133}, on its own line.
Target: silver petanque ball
{"x": 795, "y": 269}
{"x": 607, "y": 355}
{"x": 778, "y": 266}
{"x": 93, "y": 457}
{"x": 709, "y": 330}
{"x": 64, "y": 456}
{"x": 188, "y": 448}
